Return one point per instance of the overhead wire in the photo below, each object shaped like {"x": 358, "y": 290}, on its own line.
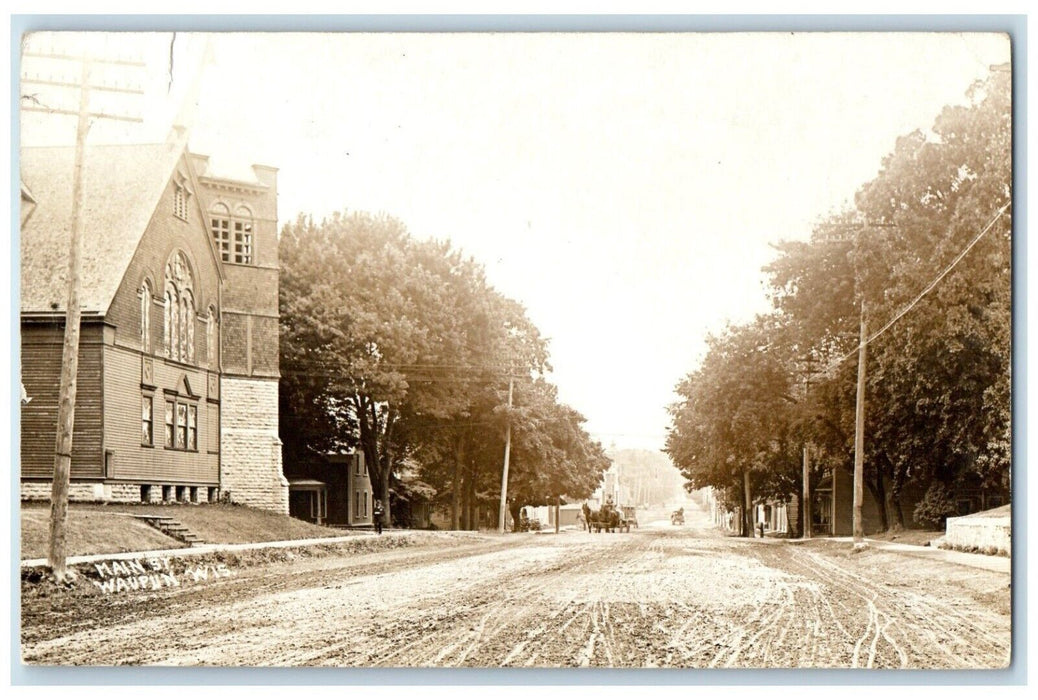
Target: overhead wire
{"x": 926, "y": 290}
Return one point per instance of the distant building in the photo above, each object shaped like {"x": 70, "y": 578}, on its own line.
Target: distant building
{"x": 833, "y": 507}
{"x": 331, "y": 489}
{"x": 610, "y": 489}
{"x": 177, "y": 395}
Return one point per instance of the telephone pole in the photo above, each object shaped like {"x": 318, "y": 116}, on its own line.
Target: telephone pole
{"x": 805, "y": 508}
{"x": 859, "y": 436}
{"x": 508, "y": 448}
{"x": 858, "y": 530}
{"x": 56, "y": 554}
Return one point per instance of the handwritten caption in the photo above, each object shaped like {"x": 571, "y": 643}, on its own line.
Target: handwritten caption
{"x": 152, "y": 574}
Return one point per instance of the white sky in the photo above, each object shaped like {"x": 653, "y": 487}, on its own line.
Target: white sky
{"x": 624, "y": 187}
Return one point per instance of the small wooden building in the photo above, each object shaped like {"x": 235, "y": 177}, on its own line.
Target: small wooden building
{"x": 331, "y": 489}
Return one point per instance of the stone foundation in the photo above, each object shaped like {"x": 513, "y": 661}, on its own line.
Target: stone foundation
{"x": 250, "y": 449}
{"x": 119, "y": 493}
{"x": 84, "y": 492}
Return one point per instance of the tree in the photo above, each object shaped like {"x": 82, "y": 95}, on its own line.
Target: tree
{"x": 461, "y": 449}
{"x": 552, "y": 455}
{"x": 647, "y": 475}
{"x": 731, "y": 428}
{"x": 400, "y": 348}
{"x": 938, "y": 378}
{"x": 946, "y": 365}
{"x": 364, "y": 313}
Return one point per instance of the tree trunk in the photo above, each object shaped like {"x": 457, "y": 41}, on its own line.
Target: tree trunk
{"x": 899, "y": 516}
{"x": 747, "y": 510}
{"x": 368, "y": 443}
{"x": 473, "y": 505}
{"x": 876, "y": 488}
{"x": 513, "y": 510}
{"x": 463, "y": 486}
{"x": 387, "y": 517}
{"x": 459, "y": 456}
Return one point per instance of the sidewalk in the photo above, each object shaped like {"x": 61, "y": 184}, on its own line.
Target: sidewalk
{"x": 977, "y": 561}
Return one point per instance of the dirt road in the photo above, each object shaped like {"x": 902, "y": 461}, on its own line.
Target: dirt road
{"x": 659, "y": 596}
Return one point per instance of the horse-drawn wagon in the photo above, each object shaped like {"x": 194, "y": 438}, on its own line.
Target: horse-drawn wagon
{"x": 606, "y": 518}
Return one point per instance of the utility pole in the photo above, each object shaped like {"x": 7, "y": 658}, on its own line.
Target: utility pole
{"x": 859, "y": 436}
{"x": 805, "y": 526}
{"x": 805, "y": 509}
{"x": 859, "y": 406}
{"x": 56, "y": 554}
{"x": 508, "y": 449}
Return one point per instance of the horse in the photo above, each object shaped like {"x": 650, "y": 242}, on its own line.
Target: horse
{"x": 586, "y": 510}
{"x": 607, "y": 518}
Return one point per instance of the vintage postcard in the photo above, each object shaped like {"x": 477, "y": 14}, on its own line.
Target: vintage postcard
{"x": 516, "y": 350}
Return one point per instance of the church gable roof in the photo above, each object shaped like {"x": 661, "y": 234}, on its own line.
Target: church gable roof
{"x": 122, "y": 186}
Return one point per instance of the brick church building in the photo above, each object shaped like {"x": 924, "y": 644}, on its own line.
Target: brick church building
{"x": 177, "y": 393}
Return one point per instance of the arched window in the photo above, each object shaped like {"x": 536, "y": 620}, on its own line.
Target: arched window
{"x": 243, "y": 235}
{"x": 145, "y": 295}
{"x": 220, "y": 225}
{"x": 171, "y": 317}
{"x": 187, "y": 321}
{"x": 179, "y": 310}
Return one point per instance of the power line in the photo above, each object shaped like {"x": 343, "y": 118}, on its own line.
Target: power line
{"x": 926, "y": 290}
{"x": 941, "y": 276}
{"x": 423, "y": 379}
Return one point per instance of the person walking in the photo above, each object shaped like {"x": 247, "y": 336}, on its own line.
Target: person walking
{"x": 377, "y": 511}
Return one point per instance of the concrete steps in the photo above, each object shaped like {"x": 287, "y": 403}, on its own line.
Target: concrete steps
{"x": 172, "y": 527}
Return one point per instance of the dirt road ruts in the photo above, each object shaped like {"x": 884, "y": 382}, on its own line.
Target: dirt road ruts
{"x": 657, "y": 597}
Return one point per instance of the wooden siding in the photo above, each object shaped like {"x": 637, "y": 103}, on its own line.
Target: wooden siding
{"x": 123, "y": 395}
{"x": 41, "y": 376}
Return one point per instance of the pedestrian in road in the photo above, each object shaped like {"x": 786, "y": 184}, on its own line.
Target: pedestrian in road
{"x": 377, "y": 511}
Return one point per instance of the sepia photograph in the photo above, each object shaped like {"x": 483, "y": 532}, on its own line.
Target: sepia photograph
{"x": 514, "y": 349}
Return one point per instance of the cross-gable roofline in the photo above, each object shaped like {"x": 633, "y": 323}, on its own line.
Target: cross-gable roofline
{"x": 123, "y": 185}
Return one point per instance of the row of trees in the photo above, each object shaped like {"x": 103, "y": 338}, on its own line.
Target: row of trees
{"x": 938, "y": 378}
{"x": 400, "y": 348}
{"x": 646, "y": 477}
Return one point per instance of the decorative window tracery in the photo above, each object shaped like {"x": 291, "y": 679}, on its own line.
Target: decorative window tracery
{"x": 179, "y": 322}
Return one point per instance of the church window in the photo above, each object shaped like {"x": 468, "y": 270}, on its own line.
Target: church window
{"x": 179, "y": 310}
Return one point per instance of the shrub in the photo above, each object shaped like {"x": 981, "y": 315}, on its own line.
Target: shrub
{"x": 936, "y": 506}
